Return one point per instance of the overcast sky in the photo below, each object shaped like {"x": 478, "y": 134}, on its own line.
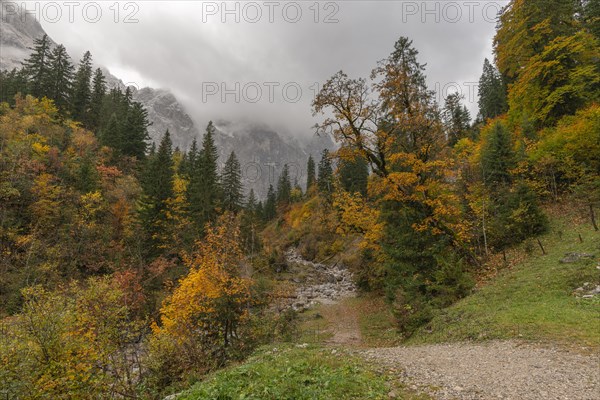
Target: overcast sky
{"x": 198, "y": 50}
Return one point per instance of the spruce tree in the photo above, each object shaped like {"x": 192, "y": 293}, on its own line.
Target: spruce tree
{"x": 456, "y": 118}
{"x": 497, "y": 157}
{"x": 157, "y": 184}
{"x": 231, "y": 184}
{"x": 325, "y": 175}
{"x": 111, "y": 134}
{"x": 284, "y": 186}
{"x": 492, "y": 93}
{"x": 37, "y": 67}
{"x": 250, "y": 224}
{"x": 82, "y": 89}
{"x": 270, "y": 207}
{"x": 354, "y": 175}
{"x": 190, "y": 159}
{"x": 311, "y": 177}
{"x": 135, "y": 132}
{"x": 203, "y": 190}
{"x": 61, "y": 77}
{"x": 97, "y": 98}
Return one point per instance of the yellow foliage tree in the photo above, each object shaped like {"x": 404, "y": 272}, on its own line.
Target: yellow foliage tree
{"x": 213, "y": 299}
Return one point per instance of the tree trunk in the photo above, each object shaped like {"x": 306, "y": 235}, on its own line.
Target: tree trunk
{"x": 541, "y": 247}
{"x": 593, "y": 216}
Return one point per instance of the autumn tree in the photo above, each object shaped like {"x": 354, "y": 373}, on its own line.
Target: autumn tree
{"x": 558, "y": 80}
{"x": 396, "y": 128}
{"x": 209, "y": 305}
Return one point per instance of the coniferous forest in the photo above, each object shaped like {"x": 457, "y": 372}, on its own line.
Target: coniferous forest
{"x": 130, "y": 269}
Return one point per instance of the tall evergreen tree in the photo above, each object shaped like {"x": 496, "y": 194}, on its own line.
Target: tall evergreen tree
{"x": 456, "y": 118}
{"x": 492, "y": 92}
{"x": 191, "y": 158}
{"x": 311, "y": 175}
{"x": 250, "y": 223}
{"x": 354, "y": 175}
{"x": 13, "y": 82}
{"x": 498, "y": 157}
{"x": 157, "y": 184}
{"x": 61, "y": 77}
{"x": 82, "y": 91}
{"x": 251, "y": 202}
{"x": 135, "y": 137}
{"x": 111, "y": 134}
{"x": 96, "y": 100}
{"x": 270, "y": 207}
{"x": 37, "y": 67}
{"x": 325, "y": 174}
{"x": 204, "y": 190}
{"x": 231, "y": 184}
{"x": 284, "y": 186}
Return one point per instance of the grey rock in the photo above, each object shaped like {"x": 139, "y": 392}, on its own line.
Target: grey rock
{"x": 570, "y": 258}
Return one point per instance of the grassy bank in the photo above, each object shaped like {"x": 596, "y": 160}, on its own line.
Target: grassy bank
{"x": 297, "y": 372}
{"x": 532, "y": 299}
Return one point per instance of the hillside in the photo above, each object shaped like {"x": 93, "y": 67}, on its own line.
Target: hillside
{"x": 517, "y": 320}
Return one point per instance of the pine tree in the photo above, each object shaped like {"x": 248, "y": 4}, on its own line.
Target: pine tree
{"x": 250, "y": 223}
{"x": 13, "y": 82}
{"x": 203, "y": 190}
{"x": 284, "y": 186}
{"x": 231, "y": 183}
{"x": 37, "y": 67}
{"x": 354, "y": 175}
{"x": 251, "y": 202}
{"x": 325, "y": 174}
{"x": 270, "y": 208}
{"x": 135, "y": 132}
{"x": 497, "y": 157}
{"x": 456, "y": 118}
{"x": 111, "y": 134}
{"x": 82, "y": 89}
{"x": 97, "y": 98}
{"x": 492, "y": 92}
{"x": 61, "y": 77}
{"x": 311, "y": 178}
{"x": 190, "y": 159}
{"x": 157, "y": 184}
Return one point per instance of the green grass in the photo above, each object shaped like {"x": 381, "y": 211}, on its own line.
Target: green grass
{"x": 376, "y": 322}
{"x": 292, "y": 372}
{"x": 533, "y": 300}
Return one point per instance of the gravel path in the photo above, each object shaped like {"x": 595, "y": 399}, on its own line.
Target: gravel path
{"x": 493, "y": 370}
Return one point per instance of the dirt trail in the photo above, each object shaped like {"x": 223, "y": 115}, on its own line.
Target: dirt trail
{"x": 493, "y": 370}
{"x": 344, "y": 324}
{"x": 468, "y": 371}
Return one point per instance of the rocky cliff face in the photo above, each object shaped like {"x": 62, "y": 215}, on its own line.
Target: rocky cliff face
{"x": 261, "y": 150}
{"x": 17, "y": 32}
{"x": 263, "y": 153}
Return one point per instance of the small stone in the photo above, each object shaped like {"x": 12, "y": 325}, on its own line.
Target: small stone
{"x": 393, "y": 395}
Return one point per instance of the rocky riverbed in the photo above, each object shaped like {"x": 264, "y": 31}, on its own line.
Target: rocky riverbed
{"x": 317, "y": 282}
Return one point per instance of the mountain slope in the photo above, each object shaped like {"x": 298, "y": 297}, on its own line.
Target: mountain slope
{"x": 261, "y": 150}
